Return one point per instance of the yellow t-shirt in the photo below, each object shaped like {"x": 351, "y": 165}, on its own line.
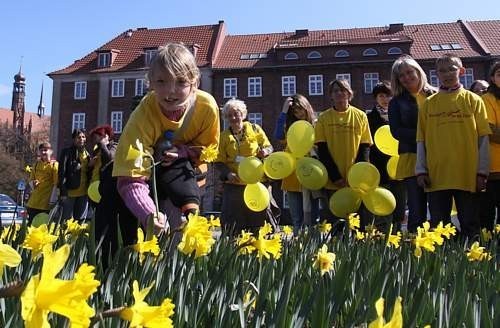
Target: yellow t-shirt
{"x": 493, "y": 110}
{"x": 343, "y": 132}
{"x": 449, "y": 124}
{"x": 232, "y": 149}
{"x": 46, "y": 174}
{"x": 198, "y": 127}
{"x": 96, "y": 170}
{"x": 82, "y": 189}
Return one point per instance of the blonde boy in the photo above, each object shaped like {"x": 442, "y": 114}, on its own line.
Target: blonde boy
{"x": 452, "y": 148}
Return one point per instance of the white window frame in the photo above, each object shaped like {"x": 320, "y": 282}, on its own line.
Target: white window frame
{"x": 433, "y": 78}
{"x": 468, "y": 78}
{"x": 291, "y": 56}
{"x": 288, "y": 85}
{"x": 118, "y": 88}
{"x": 149, "y": 55}
{"x": 314, "y": 55}
{"x": 255, "y": 118}
{"x": 116, "y": 120}
{"x": 78, "y": 121}
{"x": 370, "y": 52}
{"x": 80, "y": 91}
{"x": 344, "y": 76}
{"x": 394, "y": 51}
{"x": 315, "y": 85}
{"x": 255, "y": 86}
{"x": 231, "y": 87}
{"x": 370, "y": 80}
{"x": 140, "y": 87}
{"x": 104, "y": 59}
{"x": 342, "y": 53}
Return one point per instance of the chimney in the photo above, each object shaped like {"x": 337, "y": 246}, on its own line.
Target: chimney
{"x": 396, "y": 27}
{"x": 128, "y": 33}
{"x": 195, "y": 49}
{"x": 301, "y": 33}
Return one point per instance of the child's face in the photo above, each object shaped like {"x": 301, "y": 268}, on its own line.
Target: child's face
{"x": 45, "y": 153}
{"x": 339, "y": 95}
{"x": 299, "y": 113}
{"x": 383, "y": 100}
{"x": 409, "y": 78}
{"x": 449, "y": 74}
{"x": 172, "y": 94}
{"x": 496, "y": 78}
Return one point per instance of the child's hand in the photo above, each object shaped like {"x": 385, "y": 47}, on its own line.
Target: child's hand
{"x": 287, "y": 104}
{"x": 160, "y": 223}
{"x": 423, "y": 181}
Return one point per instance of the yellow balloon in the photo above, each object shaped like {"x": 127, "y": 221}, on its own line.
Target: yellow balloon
{"x": 256, "y": 197}
{"x": 380, "y": 201}
{"x": 250, "y": 170}
{"x": 344, "y": 202}
{"x": 363, "y": 176}
{"x": 311, "y": 173}
{"x": 385, "y": 141}
{"x": 93, "y": 192}
{"x": 279, "y": 165}
{"x": 39, "y": 219}
{"x": 300, "y": 138}
{"x": 392, "y": 166}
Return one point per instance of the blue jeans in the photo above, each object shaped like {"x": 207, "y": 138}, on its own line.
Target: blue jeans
{"x": 295, "y": 203}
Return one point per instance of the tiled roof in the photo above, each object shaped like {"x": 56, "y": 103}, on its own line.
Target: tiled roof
{"x": 422, "y": 35}
{"x": 39, "y": 123}
{"x": 130, "y": 47}
{"x": 489, "y": 33}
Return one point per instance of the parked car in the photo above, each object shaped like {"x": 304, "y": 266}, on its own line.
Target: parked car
{"x": 10, "y": 211}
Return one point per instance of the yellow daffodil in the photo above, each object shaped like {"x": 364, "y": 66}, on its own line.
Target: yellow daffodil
{"x": 360, "y": 235}
{"x": 209, "y": 154}
{"x": 37, "y": 238}
{"x": 27, "y": 169}
{"x": 138, "y": 155}
{"x": 323, "y": 260}
{"x": 267, "y": 247}
{"x": 140, "y": 314}
{"x": 448, "y": 230}
{"x": 196, "y": 236}
{"x": 245, "y": 242}
{"x": 74, "y": 228}
{"x": 497, "y": 228}
{"x": 393, "y": 240}
{"x": 354, "y": 222}
{"x": 248, "y": 300}
{"x": 288, "y": 231}
{"x": 427, "y": 239}
{"x": 45, "y": 293}
{"x": 477, "y": 253}
{"x": 10, "y": 232}
{"x": 372, "y": 232}
{"x": 8, "y": 257}
{"x": 213, "y": 221}
{"x": 396, "y": 319}
{"x": 324, "y": 227}
{"x": 149, "y": 246}
{"x": 265, "y": 229}
{"x": 486, "y": 235}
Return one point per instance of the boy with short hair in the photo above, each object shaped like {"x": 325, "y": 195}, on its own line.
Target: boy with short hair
{"x": 452, "y": 148}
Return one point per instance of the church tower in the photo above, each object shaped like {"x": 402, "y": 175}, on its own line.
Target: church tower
{"x": 18, "y": 106}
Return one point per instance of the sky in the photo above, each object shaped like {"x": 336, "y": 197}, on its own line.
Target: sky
{"x": 44, "y": 36}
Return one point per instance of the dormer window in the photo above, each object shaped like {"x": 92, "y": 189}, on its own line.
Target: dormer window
{"x": 370, "y": 52}
{"x": 104, "y": 59}
{"x": 342, "y": 53}
{"x": 149, "y": 54}
{"x": 291, "y": 56}
{"x": 313, "y": 55}
{"x": 394, "y": 51}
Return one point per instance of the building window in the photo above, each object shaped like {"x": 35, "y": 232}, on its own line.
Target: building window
{"x": 255, "y": 118}
{"x": 394, "y": 51}
{"x": 313, "y": 55}
{"x": 344, "y": 76}
{"x": 467, "y": 78}
{"x": 291, "y": 56}
{"x": 140, "y": 87}
{"x": 370, "y": 52}
{"x": 371, "y": 79}
{"x": 315, "y": 85}
{"x": 117, "y": 121}
{"x": 288, "y": 86}
{"x": 433, "y": 78}
{"x": 230, "y": 88}
{"x": 80, "y": 90}
{"x": 255, "y": 86}
{"x": 118, "y": 88}
{"x": 78, "y": 121}
{"x": 149, "y": 54}
{"x": 104, "y": 59}
{"x": 341, "y": 53}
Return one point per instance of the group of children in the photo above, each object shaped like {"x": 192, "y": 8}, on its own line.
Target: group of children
{"x": 445, "y": 148}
